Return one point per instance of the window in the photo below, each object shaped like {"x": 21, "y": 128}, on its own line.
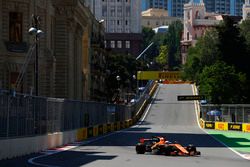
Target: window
{"x": 126, "y": 22}
{"x": 105, "y": 44}
{"x": 187, "y": 35}
{"x": 112, "y": 44}
{"x": 119, "y": 44}
{"x": 197, "y": 15}
{"x": 127, "y": 44}
{"x": 119, "y": 11}
{"x": 15, "y": 27}
{"x": 104, "y": 10}
{"x": 112, "y": 10}
{"x": 118, "y": 22}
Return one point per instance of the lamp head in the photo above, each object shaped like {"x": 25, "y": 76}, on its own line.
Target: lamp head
{"x": 32, "y": 31}
{"x": 39, "y": 33}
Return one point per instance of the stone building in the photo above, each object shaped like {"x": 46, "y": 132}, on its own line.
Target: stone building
{"x": 64, "y": 52}
{"x": 153, "y": 18}
{"x": 122, "y": 22}
{"x": 246, "y": 10}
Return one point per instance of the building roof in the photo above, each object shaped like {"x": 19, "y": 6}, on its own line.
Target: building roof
{"x": 161, "y": 29}
{"x": 155, "y": 12}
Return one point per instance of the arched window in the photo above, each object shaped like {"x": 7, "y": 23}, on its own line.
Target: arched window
{"x": 197, "y": 14}
{"x": 188, "y": 15}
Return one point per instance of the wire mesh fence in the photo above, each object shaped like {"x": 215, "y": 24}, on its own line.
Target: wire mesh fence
{"x": 226, "y": 112}
{"x": 23, "y": 115}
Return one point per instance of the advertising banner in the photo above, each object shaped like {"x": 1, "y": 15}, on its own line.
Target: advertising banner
{"x": 104, "y": 128}
{"x": 95, "y": 131}
{"x": 100, "y": 129}
{"x": 221, "y": 126}
{"x": 209, "y": 125}
{"x": 90, "y": 132}
{"x": 235, "y": 126}
{"x": 246, "y": 127}
{"x": 108, "y": 127}
{"x": 156, "y": 75}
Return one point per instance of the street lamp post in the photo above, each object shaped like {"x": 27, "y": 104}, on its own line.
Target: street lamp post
{"x": 118, "y": 78}
{"x": 37, "y": 33}
{"x": 137, "y": 84}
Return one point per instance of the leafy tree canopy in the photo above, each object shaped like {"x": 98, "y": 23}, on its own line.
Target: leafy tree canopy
{"x": 162, "y": 58}
{"x": 221, "y": 83}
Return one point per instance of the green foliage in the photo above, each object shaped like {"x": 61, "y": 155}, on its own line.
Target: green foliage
{"x": 232, "y": 45}
{"x": 173, "y": 41}
{"x": 245, "y": 32}
{"x": 124, "y": 66}
{"x": 193, "y": 66}
{"x": 147, "y": 35}
{"x": 219, "y": 64}
{"x": 162, "y": 59}
{"x": 221, "y": 83}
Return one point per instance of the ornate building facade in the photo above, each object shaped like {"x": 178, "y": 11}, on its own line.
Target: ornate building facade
{"x": 64, "y": 51}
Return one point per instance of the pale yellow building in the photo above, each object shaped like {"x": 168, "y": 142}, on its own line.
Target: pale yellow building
{"x": 153, "y": 18}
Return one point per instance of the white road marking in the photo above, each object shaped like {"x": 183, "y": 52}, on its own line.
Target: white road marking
{"x": 244, "y": 156}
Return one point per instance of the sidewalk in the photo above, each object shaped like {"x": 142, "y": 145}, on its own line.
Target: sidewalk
{"x": 238, "y": 141}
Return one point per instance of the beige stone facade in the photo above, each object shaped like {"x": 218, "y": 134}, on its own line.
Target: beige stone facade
{"x": 153, "y": 18}
{"x": 65, "y": 51}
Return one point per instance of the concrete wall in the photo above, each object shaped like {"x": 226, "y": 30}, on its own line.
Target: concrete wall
{"x": 22, "y": 146}
{"x": 10, "y": 148}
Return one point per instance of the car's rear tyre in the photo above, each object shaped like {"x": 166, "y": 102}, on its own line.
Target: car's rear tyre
{"x": 168, "y": 150}
{"x": 140, "y": 148}
{"x": 191, "y": 149}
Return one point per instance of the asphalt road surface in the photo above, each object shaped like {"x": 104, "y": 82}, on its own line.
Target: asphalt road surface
{"x": 166, "y": 117}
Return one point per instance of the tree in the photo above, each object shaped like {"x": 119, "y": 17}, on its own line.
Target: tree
{"x": 162, "y": 58}
{"x": 147, "y": 35}
{"x": 245, "y": 32}
{"x": 122, "y": 65}
{"x": 193, "y": 66}
{"x": 232, "y": 45}
{"x": 221, "y": 83}
{"x": 204, "y": 53}
{"x": 173, "y": 40}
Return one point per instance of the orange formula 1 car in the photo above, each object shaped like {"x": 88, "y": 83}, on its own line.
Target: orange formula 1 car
{"x": 161, "y": 146}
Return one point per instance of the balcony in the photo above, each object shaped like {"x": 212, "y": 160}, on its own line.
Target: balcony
{"x": 206, "y": 22}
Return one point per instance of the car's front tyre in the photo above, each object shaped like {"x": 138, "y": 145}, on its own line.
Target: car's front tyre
{"x": 140, "y": 148}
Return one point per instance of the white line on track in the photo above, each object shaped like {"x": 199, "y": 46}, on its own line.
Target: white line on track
{"x": 196, "y": 103}
{"x": 31, "y": 160}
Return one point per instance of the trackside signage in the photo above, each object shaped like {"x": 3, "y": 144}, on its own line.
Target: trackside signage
{"x": 190, "y": 97}
{"x": 209, "y": 125}
{"x": 235, "y": 126}
{"x": 156, "y": 75}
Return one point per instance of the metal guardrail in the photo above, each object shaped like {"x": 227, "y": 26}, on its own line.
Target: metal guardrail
{"x": 229, "y": 112}
{"x": 24, "y": 115}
